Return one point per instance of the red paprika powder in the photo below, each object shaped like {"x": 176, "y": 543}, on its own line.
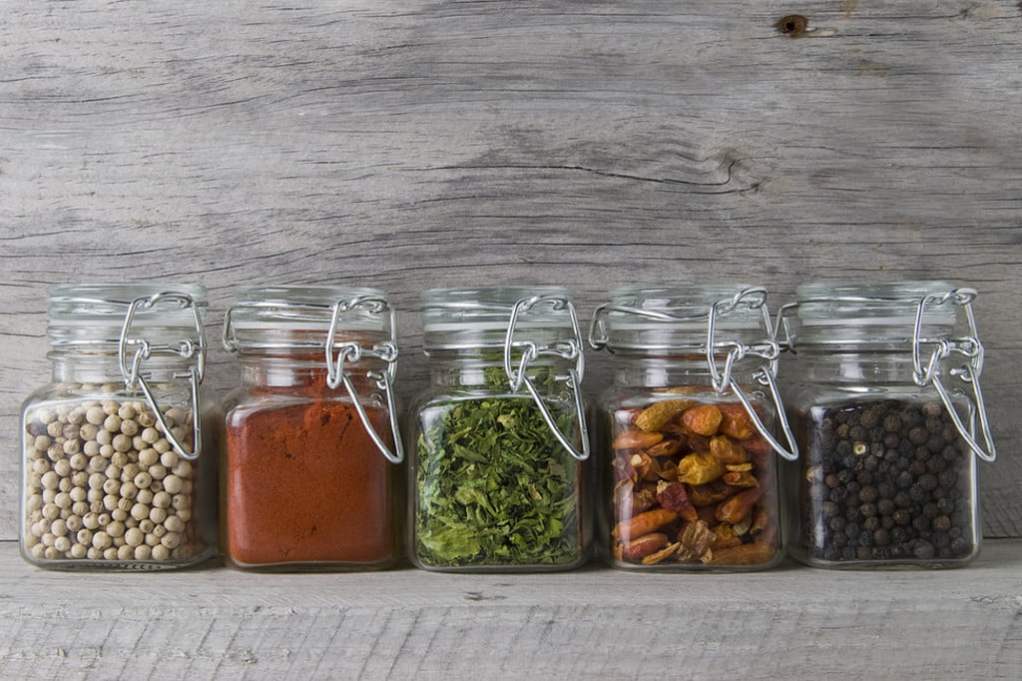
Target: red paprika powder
{"x": 304, "y": 485}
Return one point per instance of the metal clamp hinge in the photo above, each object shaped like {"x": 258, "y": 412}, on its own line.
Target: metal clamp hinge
{"x": 134, "y": 377}
{"x": 530, "y": 351}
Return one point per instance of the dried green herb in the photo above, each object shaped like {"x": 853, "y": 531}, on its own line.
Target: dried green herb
{"x": 494, "y": 486}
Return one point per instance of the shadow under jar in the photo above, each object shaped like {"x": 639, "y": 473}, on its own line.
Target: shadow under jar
{"x": 690, "y": 481}
{"x": 117, "y": 470}
{"x": 497, "y": 477}
{"x": 310, "y": 474}
{"x": 887, "y": 476}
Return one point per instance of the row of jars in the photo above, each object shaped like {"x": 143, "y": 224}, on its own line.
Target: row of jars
{"x": 691, "y": 460}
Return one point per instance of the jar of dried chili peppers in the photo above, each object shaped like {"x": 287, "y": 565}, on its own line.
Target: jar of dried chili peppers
{"x": 497, "y": 477}
{"x": 691, "y": 479}
{"x": 889, "y": 413}
{"x": 310, "y": 475}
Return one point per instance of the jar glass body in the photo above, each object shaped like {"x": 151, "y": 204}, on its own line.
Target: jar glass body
{"x": 304, "y": 486}
{"x": 885, "y": 480}
{"x": 101, "y": 486}
{"x": 685, "y": 466}
{"x": 491, "y": 488}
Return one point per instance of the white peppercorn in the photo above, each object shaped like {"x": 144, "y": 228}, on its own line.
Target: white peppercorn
{"x": 173, "y": 484}
{"x": 102, "y": 482}
{"x": 134, "y": 536}
{"x": 122, "y": 443}
{"x": 101, "y": 540}
{"x": 95, "y": 415}
{"x": 174, "y": 524}
{"x": 112, "y": 423}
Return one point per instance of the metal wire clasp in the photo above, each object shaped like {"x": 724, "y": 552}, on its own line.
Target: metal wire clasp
{"x": 570, "y": 350}
{"x": 968, "y": 346}
{"x": 354, "y": 352}
{"x": 186, "y": 349}
{"x": 769, "y": 350}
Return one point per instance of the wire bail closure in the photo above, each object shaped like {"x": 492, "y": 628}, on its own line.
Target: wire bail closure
{"x": 354, "y": 352}
{"x": 186, "y": 349}
{"x": 338, "y": 354}
{"x": 930, "y": 373}
{"x": 972, "y": 349}
{"x": 721, "y": 379}
{"x": 766, "y": 375}
{"x": 569, "y": 350}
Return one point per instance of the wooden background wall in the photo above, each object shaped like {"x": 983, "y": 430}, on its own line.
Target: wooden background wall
{"x": 414, "y": 144}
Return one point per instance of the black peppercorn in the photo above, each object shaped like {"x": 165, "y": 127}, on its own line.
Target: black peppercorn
{"x": 923, "y": 550}
{"x": 888, "y": 485}
{"x": 918, "y": 435}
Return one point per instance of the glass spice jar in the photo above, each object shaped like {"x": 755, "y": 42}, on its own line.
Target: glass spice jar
{"x": 310, "y": 480}
{"x": 888, "y": 476}
{"x": 115, "y": 466}
{"x": 690, "y": 479}
{"x": 500, "y": 439}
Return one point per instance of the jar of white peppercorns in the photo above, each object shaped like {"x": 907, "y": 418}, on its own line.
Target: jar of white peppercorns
{"x": 113, "y": 470}
{"x": 890, "y": 420}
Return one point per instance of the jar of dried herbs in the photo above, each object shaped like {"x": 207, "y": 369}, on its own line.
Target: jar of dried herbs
{"x": 690, "y": 478}
{"x": 119, "y": 449}
{"x": 499, "y": 441}
{"x": 890, "y": 418}
{"x": 310, "y": 474}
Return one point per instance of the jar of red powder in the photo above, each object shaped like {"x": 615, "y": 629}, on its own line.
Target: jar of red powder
{"x": 311, "y": 449}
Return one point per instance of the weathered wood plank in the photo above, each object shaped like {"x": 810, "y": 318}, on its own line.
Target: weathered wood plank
{"x": 593, "y": 624}
{"x": 415, "y": 144}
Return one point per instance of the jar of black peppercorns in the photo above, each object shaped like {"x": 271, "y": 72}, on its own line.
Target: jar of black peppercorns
{"x": 890, "y": 420}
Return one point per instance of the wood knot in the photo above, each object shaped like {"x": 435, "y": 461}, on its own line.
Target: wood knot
{"x": 792, "y": 25}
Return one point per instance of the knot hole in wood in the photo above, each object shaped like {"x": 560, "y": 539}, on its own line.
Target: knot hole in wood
{"x": 792, "y": 25}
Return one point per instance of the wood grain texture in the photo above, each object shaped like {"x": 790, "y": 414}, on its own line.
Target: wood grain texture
{"x": 789, "y": 623}
{"x": 414, "y": 144}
